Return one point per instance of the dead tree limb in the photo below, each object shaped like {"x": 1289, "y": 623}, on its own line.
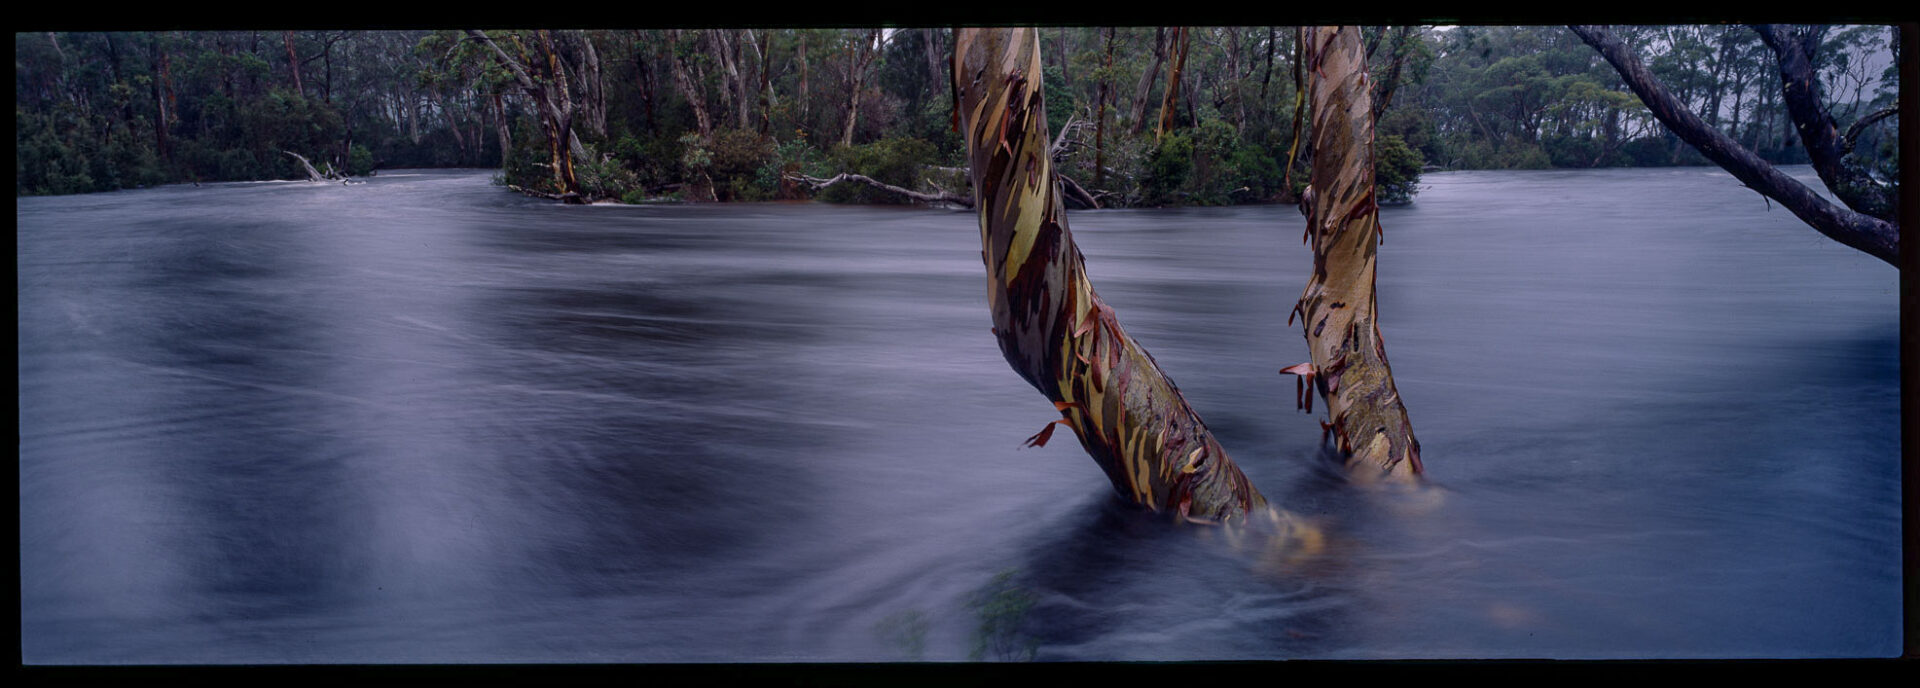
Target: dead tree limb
{"x": 1077, "y": 194}
{"x": 1874, "y": 236}
{"x": 942, "y": 197}
{"x": 313, "y": 175}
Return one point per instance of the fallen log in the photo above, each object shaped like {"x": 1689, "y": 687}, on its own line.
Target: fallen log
{"x": 568, "y": 197}
{"x": 313, "y": 175}
{"x": 943, "y": 197}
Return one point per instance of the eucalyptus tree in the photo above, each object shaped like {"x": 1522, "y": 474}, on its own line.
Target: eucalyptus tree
{"x": 544, "y": 78}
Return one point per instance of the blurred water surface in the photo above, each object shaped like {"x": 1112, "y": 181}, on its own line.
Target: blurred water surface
{"x": 424, "y": 419}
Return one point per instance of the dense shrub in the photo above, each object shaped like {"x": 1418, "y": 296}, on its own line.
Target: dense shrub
{"x": 1167, "y": 168}
{"x": 1396, "y": 170}
{"x": 896, "y": 161}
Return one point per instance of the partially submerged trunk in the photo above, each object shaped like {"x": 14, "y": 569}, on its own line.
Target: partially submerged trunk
{"x": 1051, "y": 326}
{"x": 1348, "y": 365}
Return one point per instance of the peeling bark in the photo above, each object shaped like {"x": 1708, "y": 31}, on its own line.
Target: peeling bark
{"x": 1051, "y": 326}
{"x": 1348, "y": 358}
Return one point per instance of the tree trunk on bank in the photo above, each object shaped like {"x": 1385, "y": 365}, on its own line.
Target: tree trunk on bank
{"x": 690, "y": 89}
{"x": 1299, "y": 107}
{"x": 1100, "y": 121}
{"x": 1051, "y": 326}
{"x": 1145, "y": 88}
{"x": 1348, "y": 365}
{"x": 555, "y": 105}
{"x": 293, "y": 64}
{"x": 859, "y": 58}
{"x": 1169, "y": 101}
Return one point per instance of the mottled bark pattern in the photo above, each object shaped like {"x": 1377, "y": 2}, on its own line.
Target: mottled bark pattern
{"x": 1052, "y": 327}
{"x": 1349, "y": 360}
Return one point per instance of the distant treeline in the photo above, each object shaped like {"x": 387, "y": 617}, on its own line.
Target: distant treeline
{"x": 1151, "y": 116}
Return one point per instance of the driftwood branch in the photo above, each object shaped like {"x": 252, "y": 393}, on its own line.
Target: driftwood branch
{"x": 569, "y": 196}
{"x": 1077, "y": 193}
{"x": 1872, "y": 235}
{"x": 313, "y": 175}
{"x": 942, "y": 197}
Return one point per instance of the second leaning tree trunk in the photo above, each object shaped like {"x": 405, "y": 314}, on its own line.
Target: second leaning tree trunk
{"x": 1349, "y": 360}
{"x": 1052, "y": 327}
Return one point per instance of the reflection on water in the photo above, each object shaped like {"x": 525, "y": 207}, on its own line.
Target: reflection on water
{"x": 426, "y": 420}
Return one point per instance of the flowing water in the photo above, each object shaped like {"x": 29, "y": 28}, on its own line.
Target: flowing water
{"x": 424, "y": 419}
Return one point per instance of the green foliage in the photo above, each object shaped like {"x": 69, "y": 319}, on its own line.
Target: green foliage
{"x": 1002, "y": 606}
{"x": 600, "y": 176}
{"x": 654, "y": 160}
{"x": 1060, "y": 101}
{"x": 88, "y": 107}
{"x": 1396, "y": 169}
{"x": 738, "y": 158}
{"x": 1166, "y": 170}
{"x": 896, "y": 161}
{"x": 359, "y": 161}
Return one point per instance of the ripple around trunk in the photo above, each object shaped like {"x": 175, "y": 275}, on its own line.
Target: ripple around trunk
{"x": 424, "y": 419}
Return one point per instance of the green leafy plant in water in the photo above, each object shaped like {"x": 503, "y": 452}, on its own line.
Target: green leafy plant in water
{"x": 1002, "y": 605}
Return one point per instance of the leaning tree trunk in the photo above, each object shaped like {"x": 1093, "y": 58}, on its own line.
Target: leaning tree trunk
{"x": 1349, "y": 361}
{"x": 1052, "y": 327}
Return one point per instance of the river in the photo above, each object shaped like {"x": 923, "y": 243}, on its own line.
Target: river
{"x": 427, "y": 420}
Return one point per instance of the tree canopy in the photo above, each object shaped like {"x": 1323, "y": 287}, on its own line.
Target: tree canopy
{"x": 739, "y": 113}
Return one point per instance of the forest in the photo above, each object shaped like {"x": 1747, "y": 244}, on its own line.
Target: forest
{"x": 1144, "y": 116}
{"x": 680, "y": 354}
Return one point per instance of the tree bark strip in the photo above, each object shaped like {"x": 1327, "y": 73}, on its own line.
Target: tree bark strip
{"x": 1348, "y": 359}
{"x": 1051, "y": 326}
{"x": 1876, "y": 237}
